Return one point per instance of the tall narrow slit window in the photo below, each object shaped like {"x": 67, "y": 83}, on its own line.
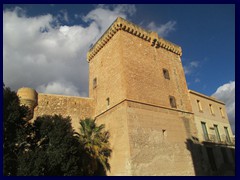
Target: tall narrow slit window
{"x": 199, "y": 106}
{"x": 94, "y": 83}
{"x": 166, "y": 74}
{"x": 172, "y": 101}
{"x": 108, "y": 102}
{"x": 211, "y": 109}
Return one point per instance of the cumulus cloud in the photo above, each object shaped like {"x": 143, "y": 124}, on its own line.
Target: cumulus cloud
{"x": 164, "y": 29}
{"x": 226, "y": 93}
{"x": 43, "y": 53}
{"x": 190, "y": 67}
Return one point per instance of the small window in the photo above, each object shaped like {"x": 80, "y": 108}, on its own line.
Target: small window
{"x": 211, "y": 109}
{"x": 166, "y": 74}
{"x": 199, "y": 106}
{"x": 217, "y": 132}
{"x": 94, "y": 83}
{"x": 172, "y": 102}
{"x": 227, "y": 134}
{"x": 108, "y": 102}
{"x": 221, "y": 111}
{"x": 205, "y": 132}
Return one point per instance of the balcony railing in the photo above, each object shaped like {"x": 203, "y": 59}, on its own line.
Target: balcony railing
{"x": 221, "y": 140}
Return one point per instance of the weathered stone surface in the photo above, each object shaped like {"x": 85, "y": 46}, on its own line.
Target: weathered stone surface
{"x": 75, "y": 107}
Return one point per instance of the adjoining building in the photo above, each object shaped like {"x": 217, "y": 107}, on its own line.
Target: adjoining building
{"x": 138, "y": 89}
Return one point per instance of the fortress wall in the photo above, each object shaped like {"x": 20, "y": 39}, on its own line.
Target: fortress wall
{"x": 106, "y": 66}
{"x": 158, "y": 140}
{"x": 75, "y": 107}
{"x": 143, "y": 73}
{"x": 115, "y": 121}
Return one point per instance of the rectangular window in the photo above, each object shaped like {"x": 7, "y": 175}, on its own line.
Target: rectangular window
{"x": 94, "y": 83}
{"x": 217, "y": 132}
{"x": 211, "y": 109}
{"x": 227, "y": 135}
{"x": 199, "y": 106}
{"x": 205, "y": 133}
{"x": 172, "y": 101}
{"x": 221, "y": 111}
{"x": 166, "y": 74}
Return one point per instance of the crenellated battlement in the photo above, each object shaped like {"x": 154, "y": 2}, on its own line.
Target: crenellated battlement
{"x": 124, "y": 25}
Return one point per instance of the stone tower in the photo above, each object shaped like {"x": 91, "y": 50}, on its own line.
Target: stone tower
{"x": 29, "y": 98}
{"x": 137, "y": 81}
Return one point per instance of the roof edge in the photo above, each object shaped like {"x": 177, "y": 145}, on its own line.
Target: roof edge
{"x": 205, "y": 96}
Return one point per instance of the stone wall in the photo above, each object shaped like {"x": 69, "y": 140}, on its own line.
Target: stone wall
{"x": 143, "y": 73}
{"x": 75, "y": 107}
{"x": 115, "y": 120}
{"x": 107, "y": 68}
{"x": 158, "y": 140}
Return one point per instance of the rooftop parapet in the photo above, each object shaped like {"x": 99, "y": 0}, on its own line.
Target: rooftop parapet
{"x": 122, "y": 24}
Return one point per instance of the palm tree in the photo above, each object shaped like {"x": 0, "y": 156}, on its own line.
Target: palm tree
{"x": 96, "y": 143}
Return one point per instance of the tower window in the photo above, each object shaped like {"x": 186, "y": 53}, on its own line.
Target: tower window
{"x": 108, "y": 102}
{"x": 94, "y": 83}
{"x": 172, "y": 101}
{"x": 166, "y": 74}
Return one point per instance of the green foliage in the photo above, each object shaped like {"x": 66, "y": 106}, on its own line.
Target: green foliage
{"x": 13, "y": 123}
{"x": 56, "y": 151}
{"x": 49, "y": 146}
{"x": 96, "y": 143}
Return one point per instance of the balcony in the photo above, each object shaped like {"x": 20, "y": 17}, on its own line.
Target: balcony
{"x": 212, "y": 138}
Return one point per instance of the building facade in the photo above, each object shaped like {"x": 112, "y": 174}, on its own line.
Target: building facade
{"x": 138, "y": 89}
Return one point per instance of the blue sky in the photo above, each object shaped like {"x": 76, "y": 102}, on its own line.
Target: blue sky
{"x": 53, "y": 60}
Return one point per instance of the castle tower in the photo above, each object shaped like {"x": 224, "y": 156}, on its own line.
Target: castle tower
{"x": 140, "y": 92}
{"x": 28, "y": 97}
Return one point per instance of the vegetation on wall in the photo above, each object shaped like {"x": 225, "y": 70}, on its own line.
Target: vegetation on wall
{"x": 49, "y": 146}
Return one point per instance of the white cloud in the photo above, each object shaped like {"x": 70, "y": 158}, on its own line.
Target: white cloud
{"x": 59, "y": 88}
{"x": 197, "y": 80}
{"x": 226, "y": 93}
{"x": 41, "y": 53}
{"x": 103, "y": 16}
{"x": 190, "y": 67}
{"x": 194, "y": 64}
{"x": 164, "y": 29}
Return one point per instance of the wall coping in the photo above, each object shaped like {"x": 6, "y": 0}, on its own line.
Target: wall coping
{"x": 65, "y": 96}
